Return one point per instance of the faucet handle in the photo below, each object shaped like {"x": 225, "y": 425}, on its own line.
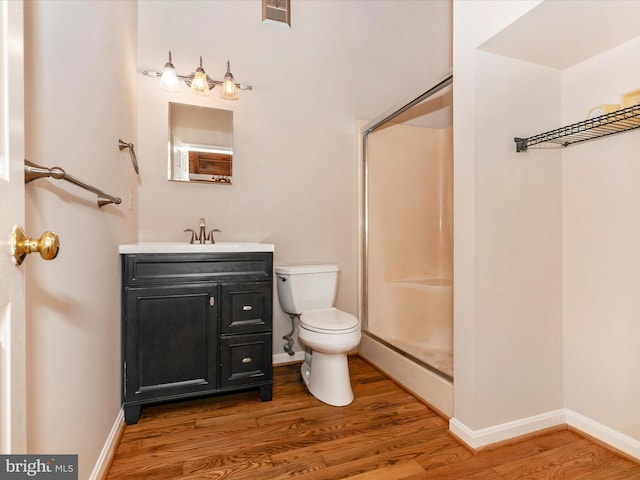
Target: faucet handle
{"x": 210, "y": 235}
{"x": 193, "y": 234}
{"x": 202, "y": 224}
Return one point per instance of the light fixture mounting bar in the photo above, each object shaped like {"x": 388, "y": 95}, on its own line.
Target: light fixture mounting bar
{"x": 187, "y": 79}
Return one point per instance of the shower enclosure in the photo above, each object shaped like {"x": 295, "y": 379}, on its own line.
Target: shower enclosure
{"x": 407, "y": 268}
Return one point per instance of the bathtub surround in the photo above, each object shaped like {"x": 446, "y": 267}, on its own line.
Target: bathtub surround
{"x": 410, "y": 241}
{"x": 407, "y": 287}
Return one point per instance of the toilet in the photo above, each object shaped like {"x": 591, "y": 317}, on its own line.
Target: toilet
{"x": 308, "y": 291}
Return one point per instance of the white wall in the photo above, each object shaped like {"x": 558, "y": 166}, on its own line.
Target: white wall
{"x": 545, "y": 240}
{"x": 80, "y": 99}
{"x": 507, "y": 230}
{"x": 518, "y": 244}
{"x": 295, "y": 136}
{"x": 601, "y": 249}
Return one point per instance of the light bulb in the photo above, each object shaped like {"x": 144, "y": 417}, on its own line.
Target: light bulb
{"x": 169, "y": 80}
{"x": 229, "y": 91}
{"x": 199, "y": 82}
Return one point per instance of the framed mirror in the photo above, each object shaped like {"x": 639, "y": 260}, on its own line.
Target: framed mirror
{"x": 200, "y": 144}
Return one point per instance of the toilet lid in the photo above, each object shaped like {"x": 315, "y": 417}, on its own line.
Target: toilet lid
{"x": 327, "y": 320}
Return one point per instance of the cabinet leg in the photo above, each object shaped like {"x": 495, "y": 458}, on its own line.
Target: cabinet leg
{"x": 131, "y": 414}
{"x": 266, "y": 393}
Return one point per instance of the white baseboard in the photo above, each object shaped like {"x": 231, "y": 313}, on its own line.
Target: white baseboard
{"x": 498, "y": 433}
{"x": 505, "y": 431}
{"x": 103, "y": 463}
{"x": 280, "y": 358}
{"x": 617, "y": 440}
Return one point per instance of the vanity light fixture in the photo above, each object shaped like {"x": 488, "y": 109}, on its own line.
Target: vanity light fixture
{"x": 199, "y": 82}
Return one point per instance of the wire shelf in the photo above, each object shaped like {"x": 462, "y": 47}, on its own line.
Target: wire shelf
{"x": 608, "y": 124}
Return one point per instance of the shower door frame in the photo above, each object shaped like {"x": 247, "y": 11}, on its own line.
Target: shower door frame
{"x": 371, "y": 127}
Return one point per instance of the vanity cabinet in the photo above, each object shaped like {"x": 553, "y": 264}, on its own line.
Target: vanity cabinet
{"x": 195, "y": 324}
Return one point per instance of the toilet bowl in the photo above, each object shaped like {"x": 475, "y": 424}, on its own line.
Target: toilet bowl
{"x": 327, "y": 377}
{"x": 308, "y": 291}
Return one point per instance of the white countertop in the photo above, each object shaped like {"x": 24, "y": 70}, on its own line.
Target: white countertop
{"x": 184, "y": 247}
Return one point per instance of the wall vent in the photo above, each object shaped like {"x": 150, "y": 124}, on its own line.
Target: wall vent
{"x": 276, "y": 11}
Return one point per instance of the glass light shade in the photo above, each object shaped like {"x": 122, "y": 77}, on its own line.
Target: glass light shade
{"x": 199, "y": 82}
{"x": 229, "y": 90}
{"x": 169, "y": 80}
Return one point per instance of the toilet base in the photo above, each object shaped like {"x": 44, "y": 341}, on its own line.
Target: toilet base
{"x": 327, "y": 378}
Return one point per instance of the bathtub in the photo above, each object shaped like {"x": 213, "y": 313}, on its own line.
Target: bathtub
{"x": 417, "y": 320}
{"x": 409, "y": 336}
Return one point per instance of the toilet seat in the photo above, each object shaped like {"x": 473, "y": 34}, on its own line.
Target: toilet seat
{"x": 328, "y": 320}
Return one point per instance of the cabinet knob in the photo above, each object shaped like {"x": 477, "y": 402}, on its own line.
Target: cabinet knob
{"x": 247, "y": 308}
{"x": 246, "y": 360}
{"x": 212, "y": 301}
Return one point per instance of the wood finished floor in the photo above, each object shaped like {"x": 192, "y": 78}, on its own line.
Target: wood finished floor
{"x": 384, "y": 434}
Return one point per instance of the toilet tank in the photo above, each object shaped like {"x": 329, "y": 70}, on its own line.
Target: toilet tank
{"x": 306, "y": 287}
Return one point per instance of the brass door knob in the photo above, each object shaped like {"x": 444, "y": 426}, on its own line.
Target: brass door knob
{"x": 48, "y": 245}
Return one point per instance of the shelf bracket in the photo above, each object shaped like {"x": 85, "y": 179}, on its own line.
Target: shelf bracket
{"x": 521, "y": 144}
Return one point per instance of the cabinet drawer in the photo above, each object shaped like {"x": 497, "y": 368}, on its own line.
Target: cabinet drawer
{"x": 246, "y": 307}
{"x": 245, "y": 359}
{"x": 163, "y": 268}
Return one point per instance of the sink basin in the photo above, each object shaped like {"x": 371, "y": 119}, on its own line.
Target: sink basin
{"x": 183, "y": 247}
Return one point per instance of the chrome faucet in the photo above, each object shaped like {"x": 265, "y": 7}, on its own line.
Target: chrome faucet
{"x": 203, "y": 231}
{"x": 202, "y": 237}
{"x": 193, "y": 234}
{"x": 210, "y": 235}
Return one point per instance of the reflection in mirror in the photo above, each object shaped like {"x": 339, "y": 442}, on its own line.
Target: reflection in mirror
{"x": 200, "y": 144}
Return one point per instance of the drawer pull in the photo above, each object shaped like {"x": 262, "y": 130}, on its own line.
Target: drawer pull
{"x": 247, "y": 308}
{"x": 246, "y": 360}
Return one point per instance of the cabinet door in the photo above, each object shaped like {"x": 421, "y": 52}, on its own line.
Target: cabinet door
{"x": 246, "y": 307}
{"x": 170, "y": 339}
{"x": 245, "y": 359}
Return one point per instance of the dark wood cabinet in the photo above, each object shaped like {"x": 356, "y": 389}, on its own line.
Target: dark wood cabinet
{"x": 195, "y": 324}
